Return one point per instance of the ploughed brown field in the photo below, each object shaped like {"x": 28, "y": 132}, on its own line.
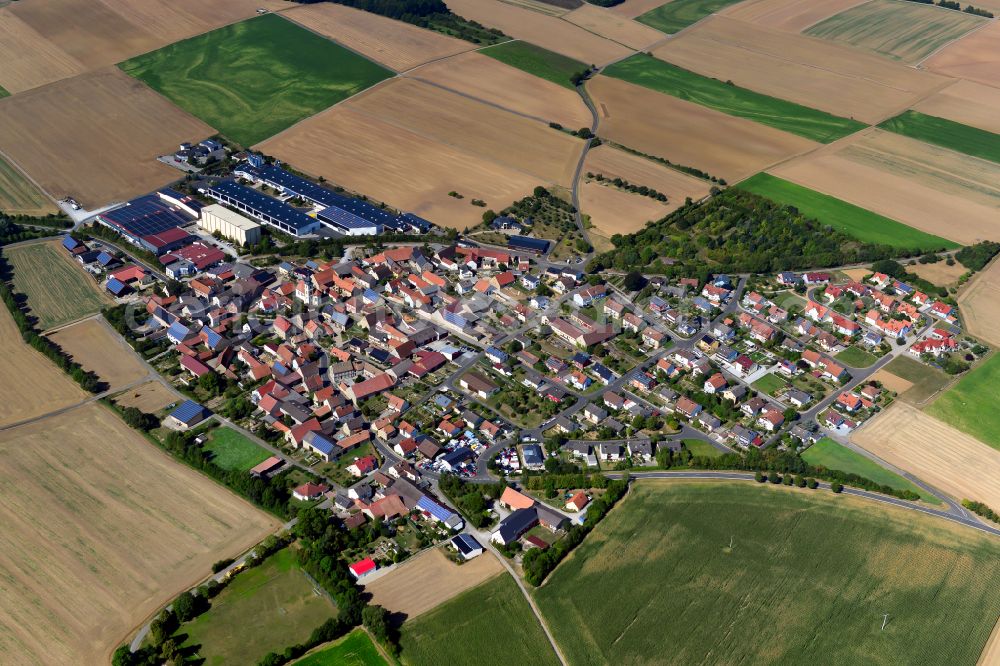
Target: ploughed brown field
{"x": 494, "y": 82}
{"x": 95, "y": 137}
{"x": 397, "y": 45}
{"x": 614, "y": 26}
{"x": 787, "y": 15}
{"x": 97, "y": 348}
{"x": 967, "y": 103}
{"x": 812, "y": 72}
{"x": 684, "y": 133}
{"x": 979, "y": 303}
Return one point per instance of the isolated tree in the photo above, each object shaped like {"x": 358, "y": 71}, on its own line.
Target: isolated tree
{"x": 186, "y": 607}
{"x": 837, "y": 487}
{"x": 634, "y": 281}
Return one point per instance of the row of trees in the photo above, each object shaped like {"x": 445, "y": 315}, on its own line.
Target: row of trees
{"x": 975, "y": 257}
{"x": 981, "y": 509}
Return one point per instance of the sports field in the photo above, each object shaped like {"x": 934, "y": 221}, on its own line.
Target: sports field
{"x": 58, "y": 289}
{"x": 905, "y": 31}
{"x": 255, "y": 78}
{"x": 831, "y": 455}
{"x": 842, "y": 216}
{"x": 18, "y": 195}
{"x": 679, "y": 14}
{"x": 946, "y": 133}
{"x": 856, "y": 357}
{"x": 970, "y": 403}
{"x": 355, "y": 649}
{"x": 490, "y": 625}
{"x": 264, "y": 609}
{"x": 663, "y": 77}
{"x": 657, "y": 582}
{"x": 231, "y": 450}
{"x": 535, "y": 60}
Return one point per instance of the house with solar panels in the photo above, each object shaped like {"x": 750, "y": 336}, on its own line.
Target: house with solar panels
{"x": 440, "y": 513}
{"x": 187, "y": 415}
{"x": 259, "y": 206}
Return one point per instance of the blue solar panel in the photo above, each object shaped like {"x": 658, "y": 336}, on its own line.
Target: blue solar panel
{"x": 144, "y": 216}
{"x": 188, "y": 411}
{"x": 177, "y": 331}
{"x": 319, "y": 443}
{"x": 417, "y": 222}
{"x": 345, "y": 219}
{"x": 526, "y": 243}
{"x": 116, "y": 286}
{"x": 258, "y": 204}
{"x": 70, "y": 243}
{"x": 436, "y": 510}
{"x": 211, "y": 337}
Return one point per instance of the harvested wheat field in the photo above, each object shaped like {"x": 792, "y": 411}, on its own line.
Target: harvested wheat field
{"x": 939, "y": 273}
{"x": 548, "y": 32}
{"x": 100, "y": 529}
{"x": 967, "y": 103}
{"x": 857, "y": 274}
{"x": 150, "y": 397}
{"x": 18, "y": 195}
{"x": 30, "y": 384}
{"x": 891, "y": 382}
{"x": 95, "y": 137}
{"x": 979, "y": 303}
{"x": 787, "y": 15}
{"x": 926, "y": 187}
{"x": 614, "y": 26}
{"x": 397, "y": 45}
{"x": 633, "y": 8}
{"x": 944, "y": 457}
{"x": 494, "y": 82}
{"x": 97, "y": 348}
{"x": 689, "y": 134}
{"x": 811, "y": 72}
{"x": 29, "y": 60}
{"x": 613, "y": 211}
{"x": 428, "y": 580}
{"x": 975, "y": 57}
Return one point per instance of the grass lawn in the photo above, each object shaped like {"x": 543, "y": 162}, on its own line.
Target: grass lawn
{"x": 58, "y": 290}
{"x": 844, "y": 217}
{"x": 970, "y": 405}
{"x": 787, "y": 299}
{"x": 679, "y": 14}
{"x": 337, "y": 469}
{"x": 250, "y": 80}
{"x": 946, "y": 133}
{"x": 263, "y": 609}
{"x": 356, "y": 649}
{"x": 926, "y": 380}
{"x": 234, "y": 451}
{"x": 828, "y": 453}
{"x": 701, "y": 448}
{"x": 663, "y": 77}
{"x": 657, "y": 582}
{"x": 543, "y": 63}
{"x": 856, "y": 357}
{"x": 770, "y": 384}
{"x": 489, "y": 625}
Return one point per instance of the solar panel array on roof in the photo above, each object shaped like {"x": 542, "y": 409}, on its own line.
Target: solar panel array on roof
{"x": 526, "y": 243}
{"x": 70, "y": 243}
{"x": 177, "y": 331}
{"x": 211, "y": 337}
{"x": 116, "y": 286}
{"x": 348, "y": 221}
{"x": 417, "y": 222}
{"x": 189, "y": 411}
{"x": 455, "y": 318}
{"x": 261, "y": 206}
{"x": 145, "y": 216}
{"x": 436, "y": 510}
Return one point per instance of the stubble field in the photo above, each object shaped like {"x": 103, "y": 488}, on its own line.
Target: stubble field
{"x": 967, "y": 103}
{"x": 787, "y": 15}
{"x": 150, "y": 397}
{"x": 940, "y": 273}
{"x": 101, "y": 529}
{"x": 95, "y": 137}
{"x": 613, "y": 26}
{"x": 979, "y": 304}
{"x": 634, "y": 8}
{"x": 93, "y": 345}
{"x": 806, "y": 569}
{"x": 975, "y": 57}
{"x": 19, "y": 196}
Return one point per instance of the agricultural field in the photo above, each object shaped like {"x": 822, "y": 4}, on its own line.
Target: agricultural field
{"x": 856, "y": 357}
{"x": 979, "y": 304}
{"x": 676, "y": 15}
{"x": 19, "y": 196}
{"x": 787, "y": 15}
{"x": 633, "y": 8}
{"x": 481, "y": 77}
{"x": 614, "y": 211}
{"x": 254, "y": 79}
{"x": 548, "y": 32}
{"x": 684, "y": 133}
{"x": 32, "y": 385}
{"x": 852, "y": 220}
{"x": 939, "y": 273}
{"x": 150, "y": 397}
{"x": 969, "y": 404}
{"x": 231, "y": 450}
{"x": 967, "y": 103}
{"x": 805, "y": 569}
{"x": 104, "y": 529}
{"x": 924, "y": 381}
{"x": 904, "y": 31}
{"x": 613, "y": 26}
{"x": 407, "y": 589}
{"x": 466, "y": 629}
{"x": 921, "y": 185}
{"x": 394, "y": 44}
{"x": 264, "y": 609}
{"x": 975, "y": 57}
{"x": 58, "y": 289}
{"x": 54, "y": 132}
{"x": 946, "y": 133}
{"x": 95, "y": 346}
{"x": 831, "y": 455}
{"x": 535, "y": 60}
{"x": 355, "y": 649}
{"x": 934, "y": 452}
{"x": 663, "y": 77}
{"x": 816, "y": 74}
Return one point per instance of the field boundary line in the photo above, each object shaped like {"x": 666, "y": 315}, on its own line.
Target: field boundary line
{"x": 474, "y": 98}
{"x": 919, "y": 63}
{"x": 27, "y": 176}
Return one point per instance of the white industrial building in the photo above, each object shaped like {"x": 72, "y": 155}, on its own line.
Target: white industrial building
{"x": 230, "y": 224}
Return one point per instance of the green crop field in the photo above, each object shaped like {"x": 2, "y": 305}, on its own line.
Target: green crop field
{"x": 535, "y": 60}
{"x": 674, "y": 16}
{"x": 231, "y": 450}
{"x": 4, "y": 92}
{"x": 769, "y": 384}
{"x": 850, "y": 219}
{"x": 264, "y": 609}
{"x": 970, "y": 404}
{"x": 946, "y": 133}
{"x": 251, "y": 80}
{"x": 701, "y": 448}
{"x": 18, "y": 195}
{"x": 663, "y": 77}
{"x": 828, "y": 453}
{"x": 906, "y": 31}
{"x": 356, "y": 649}
{"x": 856, "y": 357}
{"x": 490, "y": 625}
{"x": 807, "y": 580}
{"x": 58, "y": 290}
{"x": 926, "y": 380}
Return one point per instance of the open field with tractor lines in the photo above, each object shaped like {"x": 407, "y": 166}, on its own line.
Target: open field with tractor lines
{"x": 831, "y": 455}
{"x": 93, "y": 345}
{"x": 979, "y": 304}
{"x": 355, "y": 649}
{"x": 19, "y": 196}
{"x": 968, "y": 404}
{"x": 946, "y": 133}
{"x": 975, "y": 57}
{"x": 923, "y": 380}
{"x": 150, "y": 397}
{"x": 788, "y": 15}
{"x": 613, "y": 26}
{"x": 537, "y": 61}
{"x": 967, "y": 103}
{"x": 674, "y": 16}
